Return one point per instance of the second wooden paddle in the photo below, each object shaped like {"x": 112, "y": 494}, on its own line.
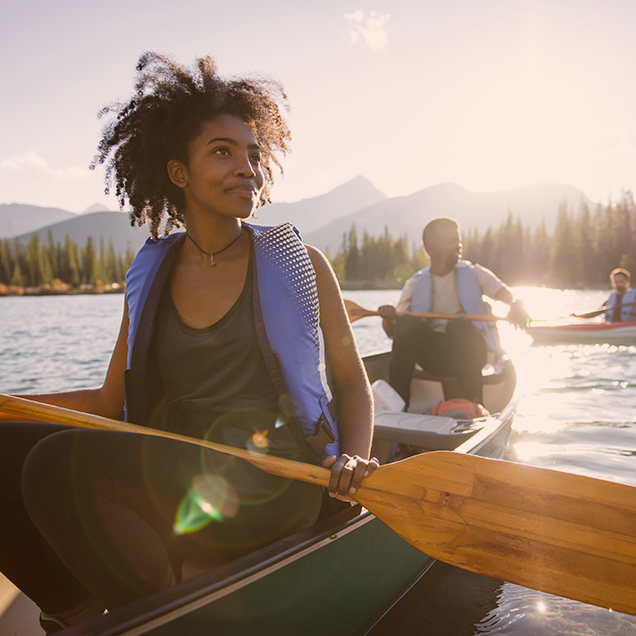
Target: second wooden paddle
{"x": 355, "y": 312}
{"x": 569, "y": 535}
{"x": 598, "y": 312}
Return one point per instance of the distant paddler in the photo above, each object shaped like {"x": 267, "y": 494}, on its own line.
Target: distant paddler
{"x": 621, "y": 305}
{"x": 457, "y": 347}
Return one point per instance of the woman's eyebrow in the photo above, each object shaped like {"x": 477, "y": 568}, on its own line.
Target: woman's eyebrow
{"x": 230, "y": 140}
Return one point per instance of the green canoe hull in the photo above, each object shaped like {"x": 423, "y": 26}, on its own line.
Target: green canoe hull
{"x": 338, "y": 577}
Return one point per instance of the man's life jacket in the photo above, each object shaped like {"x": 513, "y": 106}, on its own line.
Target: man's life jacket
{"x": 470, "y": 298}
{"x": 286, "y": 315}
{"x": 627, "y": 310}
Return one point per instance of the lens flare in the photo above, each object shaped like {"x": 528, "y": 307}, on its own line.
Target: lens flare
{"x": 403, "y": 272}
{"x": 281, "y": 420}
{"x": 210, "y": 498}
{"x": 258, "y": 442}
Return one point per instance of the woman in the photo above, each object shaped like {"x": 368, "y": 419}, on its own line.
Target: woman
{"x": 226, "y": 335}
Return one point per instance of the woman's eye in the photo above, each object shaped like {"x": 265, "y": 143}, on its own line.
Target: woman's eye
{"x": 221, "y": 151}
{"x": 256, "y": 158}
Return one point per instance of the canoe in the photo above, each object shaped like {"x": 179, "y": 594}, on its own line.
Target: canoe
{"x": 338, "y": 577}
{"x": 585, "y": 332}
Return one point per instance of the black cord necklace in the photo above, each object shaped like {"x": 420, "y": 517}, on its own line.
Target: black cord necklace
{"x": 212, "y": 262}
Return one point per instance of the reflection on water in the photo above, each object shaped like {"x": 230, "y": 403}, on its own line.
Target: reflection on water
{"x": 576, "y": 414}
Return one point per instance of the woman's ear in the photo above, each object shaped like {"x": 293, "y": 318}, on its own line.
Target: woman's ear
{"x": 178, "y": 173}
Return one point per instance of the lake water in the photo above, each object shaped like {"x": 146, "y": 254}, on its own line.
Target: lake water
{"x": 577, "y": 414}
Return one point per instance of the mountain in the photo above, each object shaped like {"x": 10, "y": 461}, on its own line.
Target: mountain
{"x": 310, "y": 214}
{"x": 17, "y": 218}
{"x": 408, "y": 215}
{"x": 324, "y": 219}
{"x": 113, "y": 226}
{"x": 96, "y": 207}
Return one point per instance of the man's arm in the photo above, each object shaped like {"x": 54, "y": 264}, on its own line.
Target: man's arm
{"x": 493, "y": 287}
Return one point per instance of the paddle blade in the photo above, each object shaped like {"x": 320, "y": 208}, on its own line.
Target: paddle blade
{"x": 590, "y": 314}
{"x": 355, "y": 312}
{"x": 560, "y": 533}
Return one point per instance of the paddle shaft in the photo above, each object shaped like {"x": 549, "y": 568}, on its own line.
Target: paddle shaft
{"x": 58, "y": 415}
{"x": 598, "y": 312}
{"x": 355, "y": 312}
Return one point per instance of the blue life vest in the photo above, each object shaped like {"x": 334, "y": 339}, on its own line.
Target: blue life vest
{"x": 627, "y": 311}
{"x": 286, "y": 315}
{"x": 468, "y": 291}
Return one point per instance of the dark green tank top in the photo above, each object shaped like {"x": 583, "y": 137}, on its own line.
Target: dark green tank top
{"x": 216, "y": 384}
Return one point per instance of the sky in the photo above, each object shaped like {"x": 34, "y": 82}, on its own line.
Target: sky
{"x": 488, "y": 94}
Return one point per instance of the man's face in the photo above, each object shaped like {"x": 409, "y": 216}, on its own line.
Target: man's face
{"x": 445, "y": 247}
{"x": 620, "y": 283}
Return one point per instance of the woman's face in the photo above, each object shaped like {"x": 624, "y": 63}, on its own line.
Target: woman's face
{"x": 223, "y": 175}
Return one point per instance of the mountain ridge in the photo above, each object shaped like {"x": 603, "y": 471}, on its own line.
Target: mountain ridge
{"x": 18, "y": 218}
{"x": 480, "y": 210}
{"x": 323, "y": 220}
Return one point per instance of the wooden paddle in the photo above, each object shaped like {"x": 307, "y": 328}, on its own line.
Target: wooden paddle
{"x": 356, "y": 312}
{"x": 560, "y": 533}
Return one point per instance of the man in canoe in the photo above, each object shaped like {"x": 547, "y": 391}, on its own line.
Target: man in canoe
{"x": 224, "y": 337}
{"x": 621, "y": 305}
{"x": 452, "y": 348}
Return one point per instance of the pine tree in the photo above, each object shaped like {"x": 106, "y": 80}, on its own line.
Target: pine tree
{"x": 352, "y": 262}
{"x": 69, "y": 263}
{"x": 6, "y": 264}
{"x": 89, "y": 263}
{"x": 33, "y": 258}
{"x": 563, "y": 257}
{"x": 16, "y": 276}
{"x": 113, "y": 269}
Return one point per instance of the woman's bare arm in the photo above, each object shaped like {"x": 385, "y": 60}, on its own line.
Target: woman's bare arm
{"x": 355, "y": 417}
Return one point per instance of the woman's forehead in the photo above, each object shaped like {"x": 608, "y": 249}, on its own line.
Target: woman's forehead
{"x": 227, "y": 126}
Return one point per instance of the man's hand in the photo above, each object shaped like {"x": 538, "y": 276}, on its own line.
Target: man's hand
{"x": 387, "y": 312}
{"x": 518, "y": 316}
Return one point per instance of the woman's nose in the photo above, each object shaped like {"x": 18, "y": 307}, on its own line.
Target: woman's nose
{"x": 245, "y": 167}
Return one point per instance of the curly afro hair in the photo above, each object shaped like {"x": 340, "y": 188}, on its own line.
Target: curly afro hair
{"x": 168, "y": 110}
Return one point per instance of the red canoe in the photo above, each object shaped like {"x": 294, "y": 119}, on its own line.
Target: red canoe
{"x": 585, "y": 332}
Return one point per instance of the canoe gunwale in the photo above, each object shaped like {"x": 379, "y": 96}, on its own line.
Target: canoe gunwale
{"x": 145, "y": 614}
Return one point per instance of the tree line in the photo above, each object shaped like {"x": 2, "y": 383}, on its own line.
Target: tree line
{"x": 61, "y": 266}
{"x": 585, "y": 246}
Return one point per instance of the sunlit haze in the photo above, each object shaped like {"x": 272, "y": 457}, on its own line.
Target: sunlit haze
{"x": 489, "y": 95}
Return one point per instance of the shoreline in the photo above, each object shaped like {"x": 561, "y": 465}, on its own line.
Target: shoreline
{"x": 60, "y": 290}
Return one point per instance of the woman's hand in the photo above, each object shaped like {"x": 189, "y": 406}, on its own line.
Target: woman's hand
{"x": 347, "y": 473}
